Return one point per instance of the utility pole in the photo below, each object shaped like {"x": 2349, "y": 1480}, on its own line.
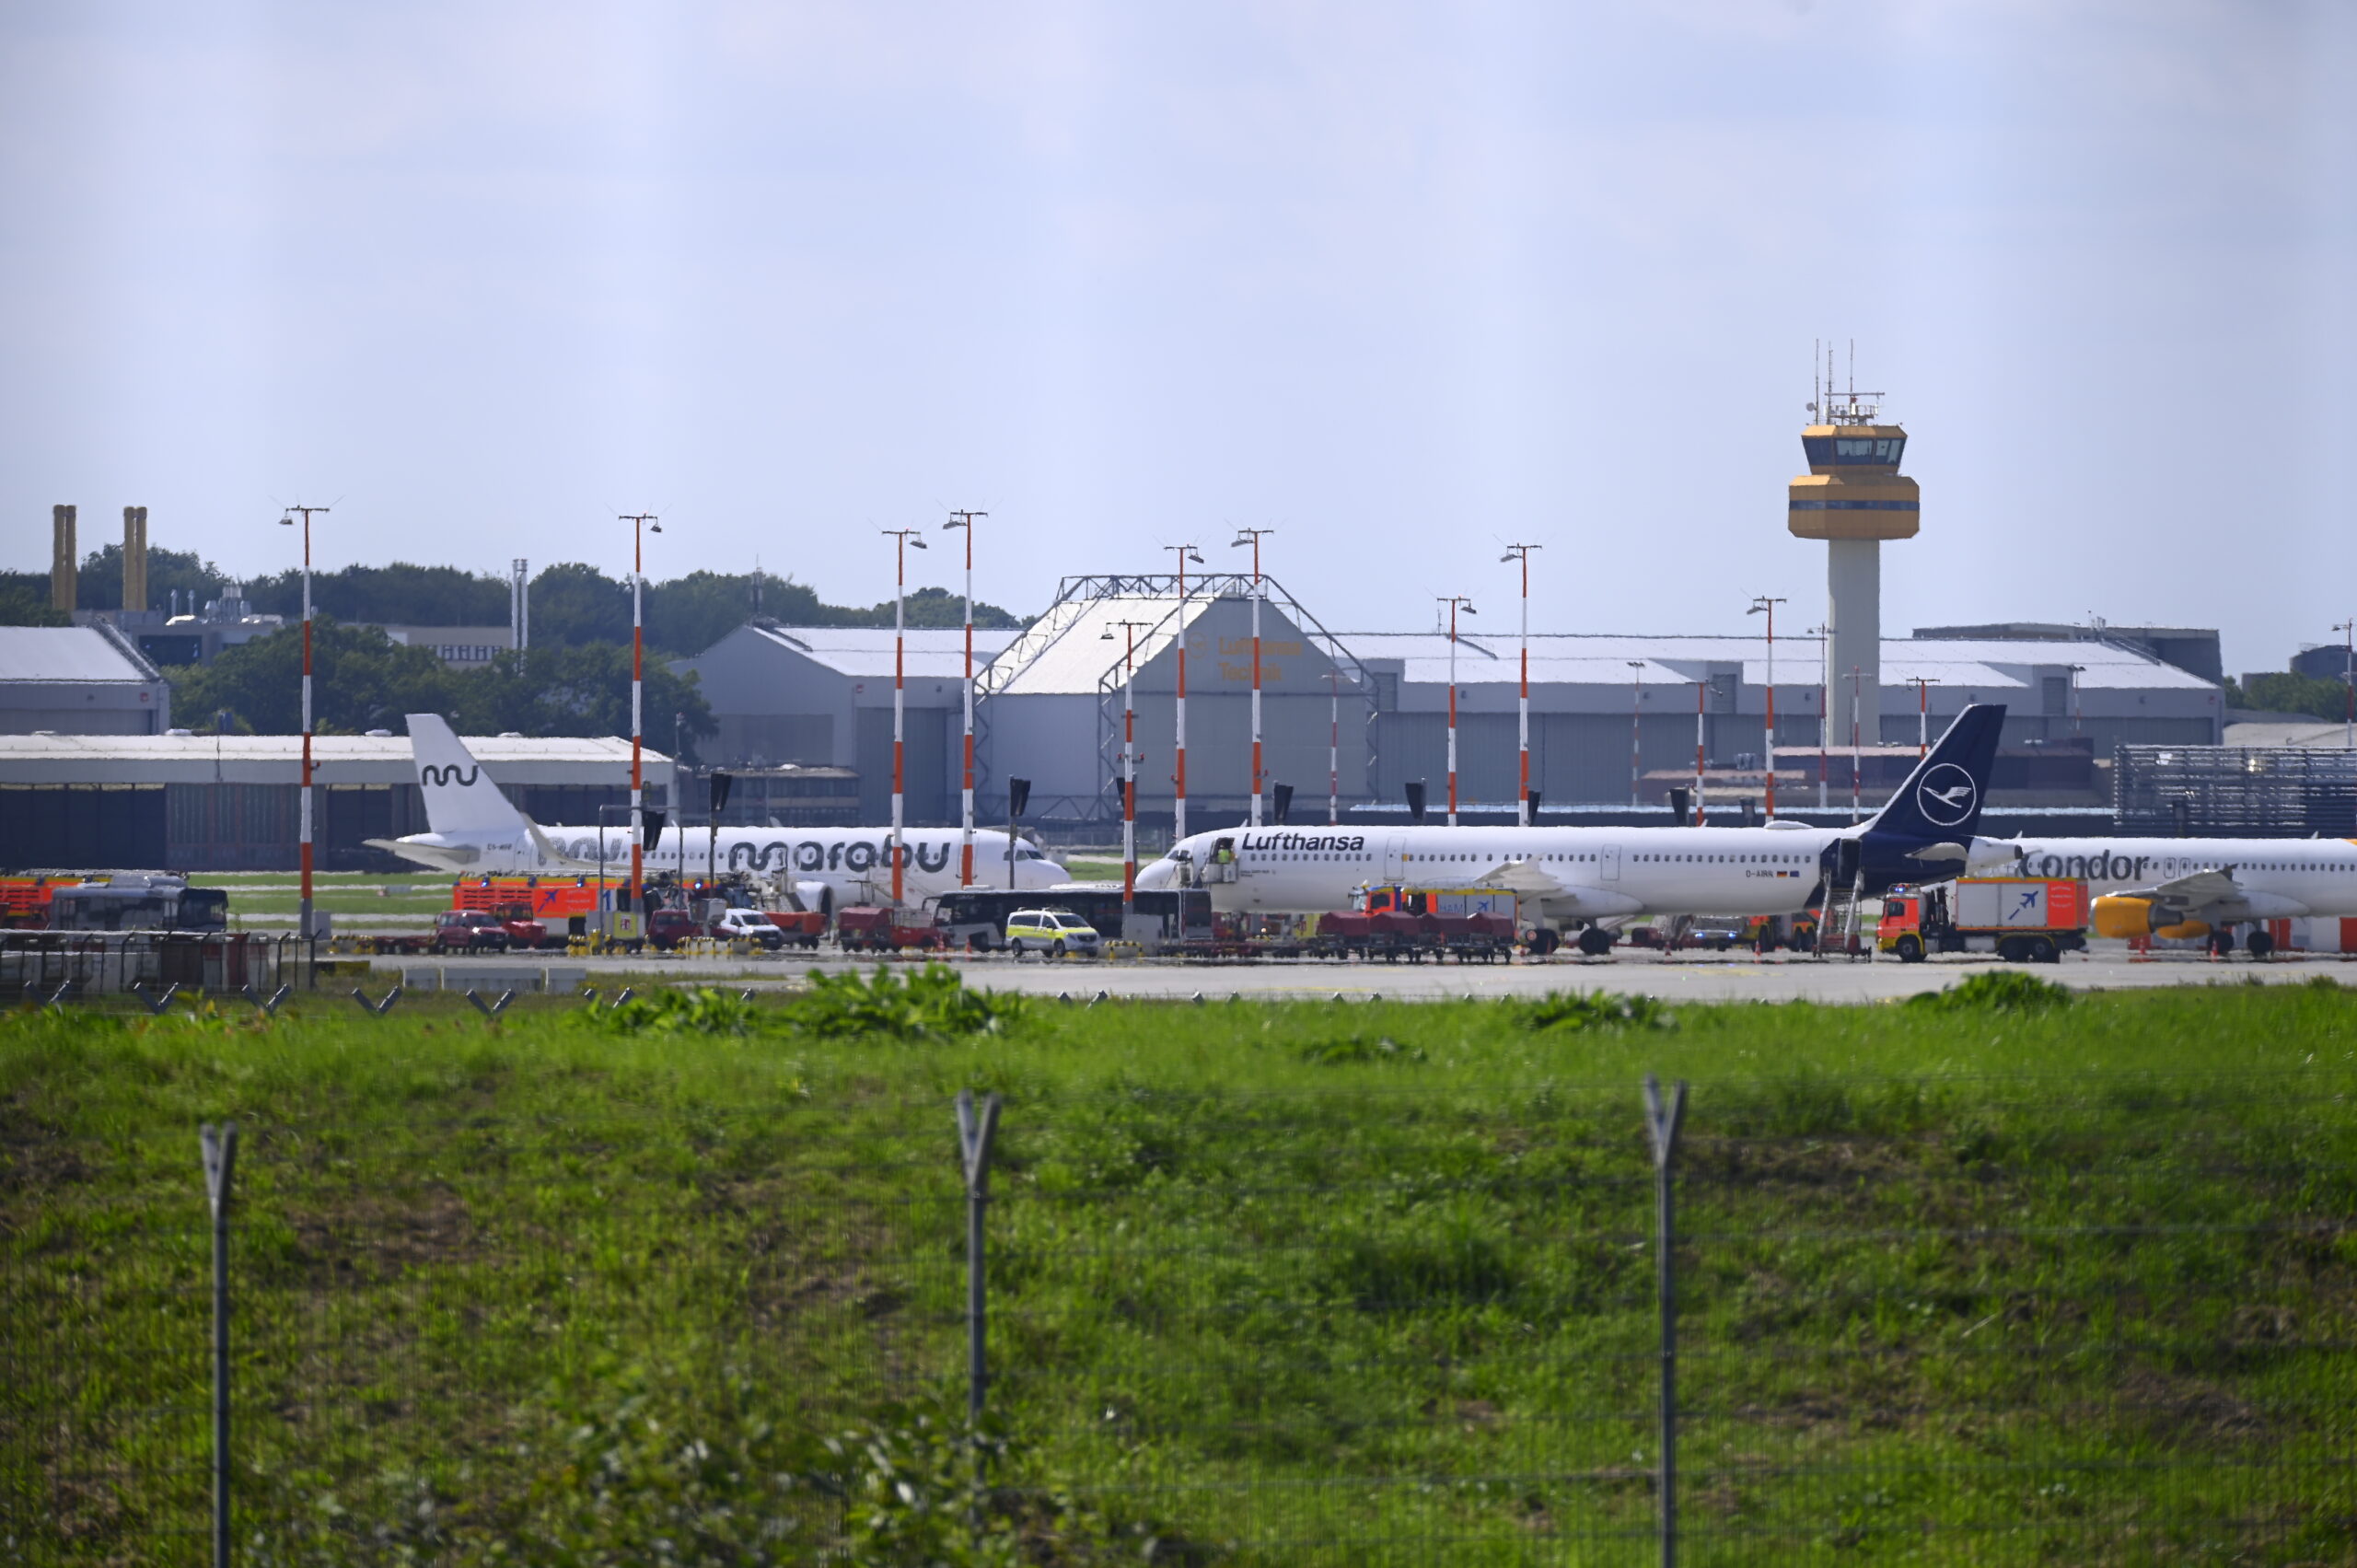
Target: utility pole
{"x": 640, "y": 522}
{"x": 519, "y": 604}
{"x": 902, "y": 539}
{"x": 1522, "y": 553}
{"x": 1824, "y": 704}
{"x": 303, "y": 923}
{"x": 1333, "y": 741}
{"x": 1455, "y": 602}
{"x": 1923, "y": 684}
{"x": 1857, "y": 681}
{"x": 1762, "y": 604}
{"x": 1636, "y": 730}
{"x": 1129, "y": 763}
{"x": 1253, "y": 537}
{"x": 965, "y": 520}
{"x": 1178, "y": 777}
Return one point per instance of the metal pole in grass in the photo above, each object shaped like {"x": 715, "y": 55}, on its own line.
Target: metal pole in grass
{"x": 220, "y": 1150}
{"x": 974, "y": 1134}
{"x": 1663, "y": 1123}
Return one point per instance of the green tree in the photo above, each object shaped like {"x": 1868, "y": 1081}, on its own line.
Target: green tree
{"x": 2285, "y": 693}
{"x": 399, "y": 595}
{"x": 21, "y": 604}
{"x": 361, "y": 680}
{"x": 572, "y": 604}
{"x": 97, "y": 584}
{"x": 583, "y": 690}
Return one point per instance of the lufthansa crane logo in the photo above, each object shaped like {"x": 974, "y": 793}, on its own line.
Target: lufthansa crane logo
{"x": 435, "y": 775}
{"x": 1946, "y": 795}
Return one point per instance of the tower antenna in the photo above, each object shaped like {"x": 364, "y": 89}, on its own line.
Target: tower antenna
{"x": 1815, "y": 396}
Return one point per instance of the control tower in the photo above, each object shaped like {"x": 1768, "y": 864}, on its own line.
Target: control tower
{"x": 1853, "y": 497}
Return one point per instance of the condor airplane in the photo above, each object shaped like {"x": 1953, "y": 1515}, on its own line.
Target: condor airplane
{"x": 1595, "y": 879}
{"x": 2189, "y": 887}
{"x": 476, "y": 831}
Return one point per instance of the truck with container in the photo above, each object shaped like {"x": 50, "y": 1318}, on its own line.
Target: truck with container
{"x": 2023, "y": 920}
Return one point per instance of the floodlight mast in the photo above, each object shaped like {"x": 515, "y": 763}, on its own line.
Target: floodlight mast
{"x": 641, "y": 522}
{"x": 902, "y": 539}
{"x": 1129, "y": 762}
{"x": 1636, "y": 729}
{"x": 2348, "y": 629}
{"x": 1456, "y": 602}
{"x": 1764, "y": 604}
{"x": 304, "y": 925}
{"x": 1186, "y": 552}
{"x": 1253, "y": 537}
{"x": 1923, "y": 684}
{"x": 965, "y": 520}
{"x": 1522, "y": 553}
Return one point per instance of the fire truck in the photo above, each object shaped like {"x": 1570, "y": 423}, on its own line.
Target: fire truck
{"x": 2023, "y": 920}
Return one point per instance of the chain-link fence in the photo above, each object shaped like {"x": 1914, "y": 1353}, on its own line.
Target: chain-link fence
{"x": 2084, "y": 1320}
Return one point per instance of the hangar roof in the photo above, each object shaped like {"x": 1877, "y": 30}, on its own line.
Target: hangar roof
{"x": 864, "y": 653}
{"x": 67, "y": 654}
{"x": 1994, "y": 665}
{"x": 1076, "y": 644}
{"x": 277, "y": 758}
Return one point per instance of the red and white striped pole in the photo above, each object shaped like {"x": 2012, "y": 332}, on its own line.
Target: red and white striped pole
{"x": 1701, "y": 688}
{"x": 1179, "y": 719}
{"x": 1455, "y": 603}
{"x": 1768, "y": 605}
{"x": 1522, "y": 553}
{"x": 1253, "y": 537}
{"x": 965, "y": 813}
{"x": 902, "y": 539}
{"x": 640, "y": 522}
{"x": 305, "y": 922}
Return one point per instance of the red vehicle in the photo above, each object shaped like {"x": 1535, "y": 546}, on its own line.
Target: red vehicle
{"x": 667, "y": 928}
{"x": 874, "y": 929}
{"x": 802, "y": 927}
{"x": 475, "y": 931}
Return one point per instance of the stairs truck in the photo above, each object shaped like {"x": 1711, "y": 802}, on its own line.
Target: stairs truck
{"x": 2023, "y": 920}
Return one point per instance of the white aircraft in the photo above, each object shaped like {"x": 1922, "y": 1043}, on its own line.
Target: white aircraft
{"x": 1596, "y": 879}
{"x": 2187, "y": 888}
{"x": 476, "y": 831}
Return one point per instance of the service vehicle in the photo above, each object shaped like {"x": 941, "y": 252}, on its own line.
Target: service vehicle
{"x": 1053, "y": 932}
{"x": 975, "y": 918}
{"x": 2032, "y": 920}
{"x": 1719, "y": 932}
{"x": 877, "y": 928}
{"x": 802, "y": 928}
{"x": 749, "y": 925}
{"x": 475, "y": 931}
{"x": 138, "y": 900}
{"x": 667, "y": 927}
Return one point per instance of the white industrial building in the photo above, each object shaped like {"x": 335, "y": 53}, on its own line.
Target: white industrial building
{"x": 79, "y": 680}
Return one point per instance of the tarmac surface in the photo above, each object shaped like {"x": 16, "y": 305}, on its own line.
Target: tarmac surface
{"x": 1694, "y": 977}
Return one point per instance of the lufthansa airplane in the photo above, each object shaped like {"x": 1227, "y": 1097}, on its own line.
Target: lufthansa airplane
{"x": 476, "y": 832}
{"x": 1595, "y": 879}
{"x": 2189, "y": 887}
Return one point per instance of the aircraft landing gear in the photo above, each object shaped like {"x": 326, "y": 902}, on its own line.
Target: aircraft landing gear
{"x": 2222, "y": 942}
{"x": 1596, "y": 942}
{"x": 1543, "y": 942}
{"x": 2260, "y": 944}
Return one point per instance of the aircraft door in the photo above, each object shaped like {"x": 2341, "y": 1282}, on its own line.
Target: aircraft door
{"x": 1609, "y": 858}
{"x": 1394, "y": 859}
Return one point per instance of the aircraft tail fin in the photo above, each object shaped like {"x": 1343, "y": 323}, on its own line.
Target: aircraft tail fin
{"x": 1942, "y": 798}
{"x": 459, "y": 797}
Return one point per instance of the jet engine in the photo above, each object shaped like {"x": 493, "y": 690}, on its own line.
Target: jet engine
{"x": 2119, "y": 914}
{"x": 812, "y": 897}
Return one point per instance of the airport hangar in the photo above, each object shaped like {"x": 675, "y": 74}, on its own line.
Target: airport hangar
{"x": 1050, "y": 706}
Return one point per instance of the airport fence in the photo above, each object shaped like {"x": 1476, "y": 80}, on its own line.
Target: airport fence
{"x": 45, "y": 967}
{"x": 2086, "y": 1320}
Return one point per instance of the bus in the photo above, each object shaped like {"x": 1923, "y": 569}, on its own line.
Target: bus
{"x": 976, "y": 917}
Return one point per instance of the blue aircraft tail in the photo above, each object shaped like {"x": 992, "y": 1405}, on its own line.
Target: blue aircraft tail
{"x": 1942, "y": 798}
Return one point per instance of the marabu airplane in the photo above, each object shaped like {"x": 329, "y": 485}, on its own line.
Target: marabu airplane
{"x": 1595, "y": 879}
{"x": 2189, "y": 887}
{"x": 476, "y": 832}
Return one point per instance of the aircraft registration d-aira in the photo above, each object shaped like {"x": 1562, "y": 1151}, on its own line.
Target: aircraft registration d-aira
{"x": 1594, "y": 878}
{"x": 476, "y": 832}
{"x": 2189, "y": 887}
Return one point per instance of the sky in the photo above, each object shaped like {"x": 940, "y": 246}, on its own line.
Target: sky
{"x": 1405, "y": 283}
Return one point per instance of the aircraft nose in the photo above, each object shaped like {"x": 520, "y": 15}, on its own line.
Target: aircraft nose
{"x": 1156, "y": 874}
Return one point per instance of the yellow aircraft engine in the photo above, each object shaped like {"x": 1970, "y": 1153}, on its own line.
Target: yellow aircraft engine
{"x": 2118, "y": 915}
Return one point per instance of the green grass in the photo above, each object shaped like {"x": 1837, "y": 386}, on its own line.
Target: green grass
{"x": 1294, "y": 1282}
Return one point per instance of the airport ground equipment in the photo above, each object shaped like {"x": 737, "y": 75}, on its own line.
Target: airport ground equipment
{"x": 138, "y": 900}
{"x": 2020, "y": 919}
{"x": 874, "y": 928}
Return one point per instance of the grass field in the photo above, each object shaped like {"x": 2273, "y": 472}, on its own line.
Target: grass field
{"x": 1282, "y": 1284}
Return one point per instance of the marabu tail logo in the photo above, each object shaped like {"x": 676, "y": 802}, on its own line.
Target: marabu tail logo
{"x": 1946, "y": 795}
{"x": 435, "y": 775}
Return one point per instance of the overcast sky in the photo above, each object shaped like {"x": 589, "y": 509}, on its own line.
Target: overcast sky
{"x": 1404, "y": 282}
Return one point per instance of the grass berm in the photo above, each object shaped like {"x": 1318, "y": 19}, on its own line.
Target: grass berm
{"x": 2000, "y": 1276}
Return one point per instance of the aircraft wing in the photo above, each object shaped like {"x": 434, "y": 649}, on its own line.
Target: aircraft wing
{"x": 1528, "y": 879}
{"x": 2216, "y": 895}
{"x": 552, "y": 853}
{"x": 434, "y": 857}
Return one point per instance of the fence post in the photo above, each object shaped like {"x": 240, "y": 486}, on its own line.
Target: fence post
{"x": 1662, "y": 1122}
{"x": 220, "y": 1150}
{"x": 974, "y": 1134}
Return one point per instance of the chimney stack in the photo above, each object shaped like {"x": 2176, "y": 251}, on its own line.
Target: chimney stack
{"x": 63, "y": 560}
{"x": 135, "y": 558}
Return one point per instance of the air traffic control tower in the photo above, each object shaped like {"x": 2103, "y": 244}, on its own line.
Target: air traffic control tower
{"x": 1853, "y": 497}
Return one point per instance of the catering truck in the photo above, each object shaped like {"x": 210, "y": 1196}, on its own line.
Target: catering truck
{"x": 2032, "y": 920}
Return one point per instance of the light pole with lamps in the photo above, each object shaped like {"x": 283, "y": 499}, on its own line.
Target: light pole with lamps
{"x": 1253, "y": 537}
{"x": 304, "y": 925}
{"x": 965, "y": 811}
{"x": 2078, "y": 703}
{"x": 902, "y": 539}
{"x": 1923, "y": 684}
{"x": 1456, "y": 602}
{"x": 1763, "y": 605}
{"x": 1701, "y": 749}
{"x": 1129, "y": 761}
{"x": 1522, "y": 553}
{"x": 1824, "y": 635}
{"x": 640, "y": 522}
{"x": 1179, "y": 750}
{"x": 2348, "y": 629}
{"x": 1857, "y": 684}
